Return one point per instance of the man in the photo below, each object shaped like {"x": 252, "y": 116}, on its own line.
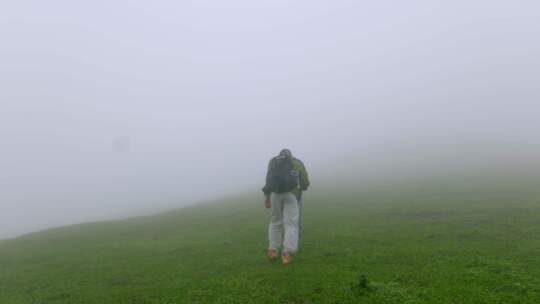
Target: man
{"x": 285, "y": 180}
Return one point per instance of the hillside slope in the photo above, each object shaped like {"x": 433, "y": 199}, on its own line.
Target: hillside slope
{"x": 435, "y": 242}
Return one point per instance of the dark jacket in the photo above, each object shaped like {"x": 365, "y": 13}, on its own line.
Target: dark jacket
{"x": 298, "y": 166}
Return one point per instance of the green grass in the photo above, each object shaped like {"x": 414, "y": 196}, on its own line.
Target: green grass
{"x": 427, "y": 243}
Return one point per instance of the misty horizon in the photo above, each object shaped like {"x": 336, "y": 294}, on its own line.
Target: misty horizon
{"x": 109, "y": 110}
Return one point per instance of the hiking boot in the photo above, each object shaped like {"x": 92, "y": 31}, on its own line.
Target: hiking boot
{"x": 286, "y": 258}
{"x": 272, "y": 254}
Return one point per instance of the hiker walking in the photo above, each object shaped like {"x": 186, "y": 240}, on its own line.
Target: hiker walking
{"x": 285, "y": 180}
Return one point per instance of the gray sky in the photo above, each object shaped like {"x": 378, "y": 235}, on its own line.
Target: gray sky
{"x": 112, "y": 108}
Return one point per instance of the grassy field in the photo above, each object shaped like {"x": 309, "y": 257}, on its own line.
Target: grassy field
{"x": 424, "y": 243}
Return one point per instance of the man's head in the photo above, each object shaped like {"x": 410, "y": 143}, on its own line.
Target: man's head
{"x": 285, "y": 153}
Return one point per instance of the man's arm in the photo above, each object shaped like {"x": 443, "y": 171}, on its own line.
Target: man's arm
{"x": 304, "y": 177}
{"x": 266, "y": 189}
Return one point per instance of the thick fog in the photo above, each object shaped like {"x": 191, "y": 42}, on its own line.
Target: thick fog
{"x": 115, "y": 108}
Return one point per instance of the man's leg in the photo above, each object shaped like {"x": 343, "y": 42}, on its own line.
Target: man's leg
{"x": 300, "y": 222}
{"x": 275, "y": 228}
{"x": 290, "y": 222}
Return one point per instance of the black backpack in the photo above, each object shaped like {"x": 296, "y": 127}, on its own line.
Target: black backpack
{"x": 284, "y": 178}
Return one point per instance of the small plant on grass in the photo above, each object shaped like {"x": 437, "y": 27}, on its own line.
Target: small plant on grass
{"x": 361, "y": 286}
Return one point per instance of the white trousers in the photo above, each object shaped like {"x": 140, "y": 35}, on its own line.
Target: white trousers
{"x": 283, "y": 228}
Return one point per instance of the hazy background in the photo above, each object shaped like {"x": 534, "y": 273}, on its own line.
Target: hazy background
{"x": 115, "y": 108}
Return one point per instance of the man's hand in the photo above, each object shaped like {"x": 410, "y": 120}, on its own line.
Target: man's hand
{"x": 267, "y": 203}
